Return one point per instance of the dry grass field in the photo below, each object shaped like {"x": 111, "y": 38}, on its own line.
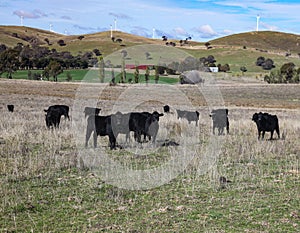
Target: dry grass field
{"x": 45, "y": 186}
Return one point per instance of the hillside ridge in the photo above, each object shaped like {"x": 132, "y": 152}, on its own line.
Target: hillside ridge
{"x": 265, "y": 40}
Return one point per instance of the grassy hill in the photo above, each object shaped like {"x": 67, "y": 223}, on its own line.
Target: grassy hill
{"x": 11, "y": 35}
{"x": 264, "y": 40}
{"x": 236, "y": 50}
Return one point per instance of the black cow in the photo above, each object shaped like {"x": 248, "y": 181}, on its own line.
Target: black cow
{"x": 166, "y": 108}
{"x": 147, "y": 125}
{"x": 53, "y": 118}
{"x": 88, "y": 111}
{"x": 120, "y": 124}
{"x": 10, "y": 107}
{"x": 220, "y": 120}
{"x": 266, "y": 122}
{"x": 190, "y": 116}
{"x": 100, "y": 126}
{"x": 141, "y": 123}
{"x": 62, "y": 109}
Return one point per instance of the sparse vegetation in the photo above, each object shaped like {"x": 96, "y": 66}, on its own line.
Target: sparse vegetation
{"x": 43, "y": 189}
{"x": 287, "y": 74}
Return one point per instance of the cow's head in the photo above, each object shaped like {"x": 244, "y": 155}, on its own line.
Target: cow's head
{"x": 117, "y": 118}
{"x": 166, "y": 108}
{"x": 156, "y": 115}
{"x": 257, "y": 117}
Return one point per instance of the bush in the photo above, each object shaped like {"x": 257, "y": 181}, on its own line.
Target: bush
{"x": 266, "y": 64}
{"x": 61, "y": 43}
{"x": 287, "y": 74}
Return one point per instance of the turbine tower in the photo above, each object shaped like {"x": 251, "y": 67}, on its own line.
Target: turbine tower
{"x": 257, "y": 22}
{"x": 153, "y": 33}
{"x": 22, "y": 17}
{"x": 111, "y": 31}
{"x": 51, "y": 30}
{"x": 115, "y": 25}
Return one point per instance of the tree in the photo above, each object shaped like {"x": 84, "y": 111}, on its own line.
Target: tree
{"x": 164, "y": 38}
{"x": 223, "y": 68}
{"x": 147, "y": 74}
{"x": 156, "y": 75}
{"x": 54, "y": 69}
{"x": 123, "y": 72}
{"x": 172, "y": 68}
{"x": 148, "y": 56}
{"x": 113, "y": 79}
{"x": 47, "y": 41}
{"x": 243, "y": 69}
{"x": 268, "y": 64}
{"x": 80, "y": 37}
{"x": 260, "y": 61}
{"x": 9, "y": 62}
{"x": 97, "y": 52}
{"x": 29, "y": 75}
{"x": 3, "y": 47}
{"x": 61, "y": 43}
{"x": 207, "y": 45}
{"x": 124, "y": 53}
{"x": 288, "y": 71}
{"x": 25, "y": 57}
{"x": 286, "y": 74}
{"x": 69, "y": 77}
{"x": 101, "y": 69}
{"x": 210, "y": 60}
{"x": 136, "y": 74}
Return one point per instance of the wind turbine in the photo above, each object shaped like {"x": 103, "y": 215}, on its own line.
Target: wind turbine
{"x": 153, "y": 33}
{"x": 257, "y": 22}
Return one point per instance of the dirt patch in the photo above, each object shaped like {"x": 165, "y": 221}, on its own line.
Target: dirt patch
{"x": 234, "y": 95}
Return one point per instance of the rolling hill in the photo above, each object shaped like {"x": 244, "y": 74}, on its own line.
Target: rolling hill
{"x": 264, "y": 40}
{"x": 237, "y": 50}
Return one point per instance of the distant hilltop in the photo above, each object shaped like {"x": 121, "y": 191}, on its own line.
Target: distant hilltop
{"x": 261, "y": 40}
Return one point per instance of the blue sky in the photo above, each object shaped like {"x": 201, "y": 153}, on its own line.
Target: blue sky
{"x": 203, "y": 20}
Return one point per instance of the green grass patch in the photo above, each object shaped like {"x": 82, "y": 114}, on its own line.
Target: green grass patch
{"x": 91, "y": 75}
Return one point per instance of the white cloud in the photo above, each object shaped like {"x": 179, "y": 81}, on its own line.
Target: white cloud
{"x": 268, "y": 27}
{"x": 206, "y": 31}
{"x": 30, "y": 15}
{"x": 119, "y": 15}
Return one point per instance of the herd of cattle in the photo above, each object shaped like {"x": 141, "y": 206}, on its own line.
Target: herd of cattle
{"x": 146, "y": 124}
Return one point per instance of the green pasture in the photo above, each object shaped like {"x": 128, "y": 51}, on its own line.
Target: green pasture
{"x": 238, "y": 57}
{"x": 93, "y": 76}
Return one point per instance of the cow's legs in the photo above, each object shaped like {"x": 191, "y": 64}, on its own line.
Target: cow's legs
{"x": 277, "y": 131}
{"x": 272, "y": 131}
{"x": 95, "y": 139}
{"x": 227, "y": 127}
{"x": 221, "y": 130}
{"x": 87, "y": 137}
{"x": 112, "y": 141}
{"x": 263, "y": 135}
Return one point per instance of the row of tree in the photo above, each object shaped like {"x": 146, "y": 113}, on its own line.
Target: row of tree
{"x": 27, "y": 57}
